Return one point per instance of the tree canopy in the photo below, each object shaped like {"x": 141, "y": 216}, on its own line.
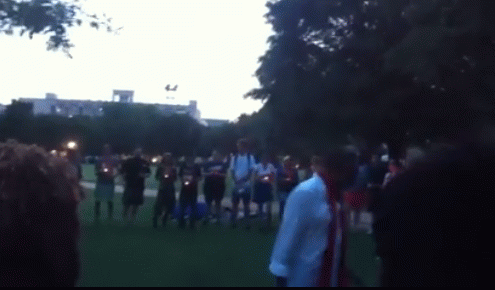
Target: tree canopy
{"x": 51, "y": 17}
{"x": 380, "y": 69}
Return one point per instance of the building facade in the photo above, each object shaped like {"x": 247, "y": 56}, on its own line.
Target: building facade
{"x": 51, "y": 105}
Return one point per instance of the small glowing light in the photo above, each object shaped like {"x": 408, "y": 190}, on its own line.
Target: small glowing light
{"x": 53, "y": 152}
{"x": 166, "y": 175}
{"x": 72, "y": 145}
{"x": 154, "y": 160}
{"x": 105, "y": 169}
{"x": 186, "y": 183}
{"x": 63, "y": 154}
{"x": 267, "y": 178}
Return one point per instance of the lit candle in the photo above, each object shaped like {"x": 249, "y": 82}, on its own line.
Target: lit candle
{"x": 267, "y": 178}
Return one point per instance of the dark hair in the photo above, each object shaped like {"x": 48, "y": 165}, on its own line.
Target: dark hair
{"x": 440, "y": 213}
{"x": 39, "y": 226}
{"x": 342, "y": 164}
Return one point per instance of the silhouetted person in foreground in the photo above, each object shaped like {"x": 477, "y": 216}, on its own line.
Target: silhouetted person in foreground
{"x": 39, "y": 227}
{"x": 433, "y": 224}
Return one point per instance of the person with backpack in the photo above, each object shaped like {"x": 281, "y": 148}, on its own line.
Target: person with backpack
{"x": 241, "y": 167}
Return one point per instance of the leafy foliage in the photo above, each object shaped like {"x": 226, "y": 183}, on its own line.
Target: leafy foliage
{"x": 51, "y": 17}
{"x": 381, "y": 69}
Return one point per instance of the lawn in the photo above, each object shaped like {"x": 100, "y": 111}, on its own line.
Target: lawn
{"x": 214, "y": 256}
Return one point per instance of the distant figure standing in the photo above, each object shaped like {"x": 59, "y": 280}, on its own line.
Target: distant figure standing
{"x": 287, "y": 180}
{"x": 264, "y": 174}
{"x": 215, "y": 172}
{"x": 394, "y": 169}
{"x": 190, "y": 174}
{"x": 135, "y": 171}
{"x": 105, "y": 171}
{"x": 166, "y": 174}
{"x": 241, "y": 166}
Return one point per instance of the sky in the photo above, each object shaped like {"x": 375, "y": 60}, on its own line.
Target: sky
{"x": 210, "y": 49}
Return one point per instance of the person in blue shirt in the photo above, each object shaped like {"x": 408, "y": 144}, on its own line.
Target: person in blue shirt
{"x": 215, "y": 172}
{"x": 242, "y": 166}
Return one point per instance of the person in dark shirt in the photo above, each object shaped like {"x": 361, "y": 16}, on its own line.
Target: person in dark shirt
{"x": 377, "y": 172}
{"x": 189, "y": 174}
{"x": 166, "y": 174}
{"x": 135, "y": 171}
{"x": 287, "y": 180}
{"x": 432, "y": 228}
{"x": 215, "y": 172}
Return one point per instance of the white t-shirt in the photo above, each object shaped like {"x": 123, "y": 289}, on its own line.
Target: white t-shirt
{"x": 240, "y": 162}
{"x": 262, "y": 170}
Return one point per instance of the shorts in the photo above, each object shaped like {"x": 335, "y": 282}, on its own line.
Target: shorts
{"x": 104, "y": 191}
{"x": 241, "y": 192}
{"x": 189, "y": 195}
{"x": 133, "y": 196}
{"x": 262, "y": 192}
{"x": 214, "y": 191}
{"x": 165, "y": 200}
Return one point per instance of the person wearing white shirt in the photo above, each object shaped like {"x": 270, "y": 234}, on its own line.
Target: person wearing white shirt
{"x": 312, "y": 230}
{"x": 263, "y": 189}
{"x": 241, "y": 167}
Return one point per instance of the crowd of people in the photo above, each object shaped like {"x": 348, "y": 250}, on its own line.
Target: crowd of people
{"x": 253, "y": 182}
{"x": 431, "y": 210}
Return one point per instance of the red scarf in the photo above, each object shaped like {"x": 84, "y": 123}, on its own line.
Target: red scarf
{"x": 336, "y": 223}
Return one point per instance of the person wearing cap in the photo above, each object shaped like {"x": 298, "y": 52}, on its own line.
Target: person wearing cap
{"x": 166, "y": 174}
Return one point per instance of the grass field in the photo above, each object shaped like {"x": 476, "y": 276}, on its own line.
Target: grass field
{"x": 214, "y": 256}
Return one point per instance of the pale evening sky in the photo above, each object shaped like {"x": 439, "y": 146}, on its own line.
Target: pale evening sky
{"x": 210, "y": 48}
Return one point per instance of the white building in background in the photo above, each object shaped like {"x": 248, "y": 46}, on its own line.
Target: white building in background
{"x": 51, "y": 105}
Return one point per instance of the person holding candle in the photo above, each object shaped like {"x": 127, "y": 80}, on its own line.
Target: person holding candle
{"x": 135, "y": 171}
{"x": 214, "y": 185}
{"x": 166, "y": 174}
{"x": 105, "y": 171}
{"x": 264, "y": 178}
{"x": 189, "y": 173}
{"x": 287, "y": 180}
